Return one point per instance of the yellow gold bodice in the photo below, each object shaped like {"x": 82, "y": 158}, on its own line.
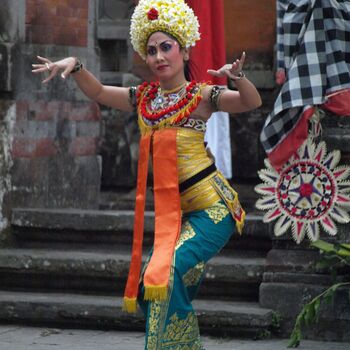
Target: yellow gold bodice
{"x": 192, "y": 158}
{"x": 191, "y": 153}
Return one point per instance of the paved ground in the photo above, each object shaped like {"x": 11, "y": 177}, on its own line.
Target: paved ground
{"x": 28, "y": 338}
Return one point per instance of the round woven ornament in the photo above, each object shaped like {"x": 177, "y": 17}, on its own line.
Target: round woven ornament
{"x": 309, "y": 192}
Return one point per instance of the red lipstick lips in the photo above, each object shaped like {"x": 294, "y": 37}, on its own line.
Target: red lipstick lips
{"x": 162, "y": 67}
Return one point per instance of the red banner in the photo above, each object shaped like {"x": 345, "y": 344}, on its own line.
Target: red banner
{"x": 209, "y": 52}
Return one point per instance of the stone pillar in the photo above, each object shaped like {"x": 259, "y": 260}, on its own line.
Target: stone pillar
{"x": 11, "y": 31}
{"x": 291, "y": 278}
{"x": 7, "y": 121}
{"x": 57, "y": 129}
{"x": 120, "y": 136}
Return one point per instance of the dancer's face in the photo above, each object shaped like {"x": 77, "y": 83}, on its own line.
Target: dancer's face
{"x": 165, "y": 57}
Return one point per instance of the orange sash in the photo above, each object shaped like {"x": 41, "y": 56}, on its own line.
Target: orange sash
{"x": 167, "y": 218}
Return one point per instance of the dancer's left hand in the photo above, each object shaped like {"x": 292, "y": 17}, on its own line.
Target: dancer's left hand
{"x": 232, "y": 71}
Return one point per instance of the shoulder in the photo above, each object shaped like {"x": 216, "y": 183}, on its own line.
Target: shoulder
{"x": 204, "y": 109}
{"x": 206, "y": 91}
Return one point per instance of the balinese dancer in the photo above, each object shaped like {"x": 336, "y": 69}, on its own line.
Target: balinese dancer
{"x": 196, "y": 210}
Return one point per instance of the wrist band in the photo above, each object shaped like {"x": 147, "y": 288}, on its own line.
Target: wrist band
{"x": 240, "y": 76}
{"x": 214, "y": 97}
{"x": 77, "y": 67}
{"x": 133, "y": 97}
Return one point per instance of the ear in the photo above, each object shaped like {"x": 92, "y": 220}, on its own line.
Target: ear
{"x": 186, "y": 54}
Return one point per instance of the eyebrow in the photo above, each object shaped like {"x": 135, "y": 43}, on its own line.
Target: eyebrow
{"x": 156, "y": 44}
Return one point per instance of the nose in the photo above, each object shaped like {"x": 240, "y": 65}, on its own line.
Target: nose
{"x": 159, "y": 55}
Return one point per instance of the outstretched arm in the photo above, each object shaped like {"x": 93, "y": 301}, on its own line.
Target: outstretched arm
{"x": 246, "y": 98}
{"x": 112, "y": 96}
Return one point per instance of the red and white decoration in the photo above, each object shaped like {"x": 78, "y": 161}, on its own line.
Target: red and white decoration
{"x": 310, "y": 191}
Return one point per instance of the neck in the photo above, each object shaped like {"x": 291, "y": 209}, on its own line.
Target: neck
{"x": 175, "y": 89}
{"x": 171, "y": 84}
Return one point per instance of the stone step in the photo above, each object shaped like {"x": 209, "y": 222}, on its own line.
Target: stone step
{"x": 117, "y": 200}
{"x": 106, "y": 226}
{"x": 219, "y": 318}
{"x": 105, "y": 271}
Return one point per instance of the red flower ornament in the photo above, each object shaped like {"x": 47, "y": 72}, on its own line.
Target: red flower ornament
{"x": 152, "y": 14}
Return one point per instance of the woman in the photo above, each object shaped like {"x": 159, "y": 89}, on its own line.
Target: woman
{"x": 196, "y": 211}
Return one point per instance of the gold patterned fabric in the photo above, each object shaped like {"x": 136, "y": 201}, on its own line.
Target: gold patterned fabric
{"x": 230, "y": 198}
{"x": 172, "y": 324}
{"x": 165, "y": 329}
{"x": 182, "y": 334}
{"x": 218, "y": 212}
{"x": 193, "y": 276}
{"x": 192, "y": 156}
{"x": 187, "y": 232}
{"x": 153, "y": 325}
{"x": 157, "y": 318}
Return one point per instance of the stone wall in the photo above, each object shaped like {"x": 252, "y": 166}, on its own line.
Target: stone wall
{"x": 50, "y": 133}
{"x": 7, "y": 121}
{"x": 10, "y": 31}
{"x": 250, "y": 26}
{"x": 52, "y": 22}
{"x": 57, "y": 128}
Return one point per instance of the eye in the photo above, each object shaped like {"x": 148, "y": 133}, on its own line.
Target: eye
{"x": 151, "y": 50}
{"x": 165, "y": 47}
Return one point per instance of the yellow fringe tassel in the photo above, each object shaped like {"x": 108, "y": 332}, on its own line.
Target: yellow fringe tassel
{"x": 130, "y": 305}
{"x": 240, "y": 224}
{"x": 156, "y": 293}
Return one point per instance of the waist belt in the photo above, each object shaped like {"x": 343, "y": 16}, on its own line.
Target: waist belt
{"x": 197, "y": 177}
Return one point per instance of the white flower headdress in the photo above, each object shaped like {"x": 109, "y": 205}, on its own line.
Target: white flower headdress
{"x": 174, "y": 17}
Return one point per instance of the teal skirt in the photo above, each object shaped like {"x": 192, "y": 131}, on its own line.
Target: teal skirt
{"x": 172, "y": 324}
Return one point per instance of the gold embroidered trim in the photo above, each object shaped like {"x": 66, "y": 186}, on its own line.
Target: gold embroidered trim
{"x": 193, "y": 276}
{"x": 182, "y": 334}
{"x": 157, "y": 316}
{"x": 230, "y": 197}
{"x": 217, "y": 212}
{"x": 153, "y": 325}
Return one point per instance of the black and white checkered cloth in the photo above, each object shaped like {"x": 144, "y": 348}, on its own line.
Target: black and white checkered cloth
{"x": 290, "y": 19}
{"x": 313, "y": 41}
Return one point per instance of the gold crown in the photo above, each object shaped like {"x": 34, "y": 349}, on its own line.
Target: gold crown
{"x": 170, "y": 16}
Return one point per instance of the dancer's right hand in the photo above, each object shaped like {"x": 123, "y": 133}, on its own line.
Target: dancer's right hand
{"x": 65, "y": 66}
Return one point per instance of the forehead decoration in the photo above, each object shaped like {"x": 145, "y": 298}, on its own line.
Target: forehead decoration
{"x": 174, "y": 17}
